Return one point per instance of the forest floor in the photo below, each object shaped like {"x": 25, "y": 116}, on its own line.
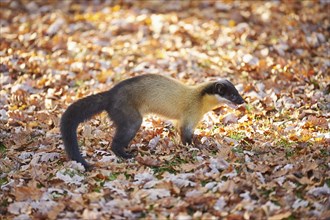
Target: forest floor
{"x": 269, "y": 159}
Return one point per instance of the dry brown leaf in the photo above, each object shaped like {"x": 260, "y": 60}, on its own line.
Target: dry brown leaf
{"x": 148, "y": 161}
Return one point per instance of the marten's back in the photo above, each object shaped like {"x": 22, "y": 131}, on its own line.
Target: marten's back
{"x": 153, "y": 94}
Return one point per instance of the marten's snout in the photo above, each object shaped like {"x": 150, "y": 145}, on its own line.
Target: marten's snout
{"x": 235, "y": 98}
{"x": 240, "y": 100}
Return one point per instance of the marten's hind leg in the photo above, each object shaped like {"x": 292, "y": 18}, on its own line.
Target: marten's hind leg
{"x": 127, "y": 124}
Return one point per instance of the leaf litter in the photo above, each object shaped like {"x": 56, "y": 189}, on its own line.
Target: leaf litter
{"x": 266, "y": 160}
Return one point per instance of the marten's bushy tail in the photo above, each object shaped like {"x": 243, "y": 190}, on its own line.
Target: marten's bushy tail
{"x": 76, "y": 113}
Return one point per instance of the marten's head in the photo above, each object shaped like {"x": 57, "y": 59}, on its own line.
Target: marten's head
{"x": 225, "y": 92}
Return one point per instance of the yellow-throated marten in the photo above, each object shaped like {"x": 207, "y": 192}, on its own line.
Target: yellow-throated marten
{"x": 128, "y": 101}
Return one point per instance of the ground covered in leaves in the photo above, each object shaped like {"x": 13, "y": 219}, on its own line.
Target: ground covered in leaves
{"x": 266, "y": 160}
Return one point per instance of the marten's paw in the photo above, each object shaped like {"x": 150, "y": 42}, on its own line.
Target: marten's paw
{"x": 123, "y": 154}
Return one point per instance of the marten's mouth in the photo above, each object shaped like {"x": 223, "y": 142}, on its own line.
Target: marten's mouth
{"x": 232, "y": 105}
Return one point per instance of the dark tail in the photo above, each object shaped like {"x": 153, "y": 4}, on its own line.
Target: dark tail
{"x": 76, "y": 113}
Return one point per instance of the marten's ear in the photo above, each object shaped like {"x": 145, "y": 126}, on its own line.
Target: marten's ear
{"x": 220, "y": 88}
